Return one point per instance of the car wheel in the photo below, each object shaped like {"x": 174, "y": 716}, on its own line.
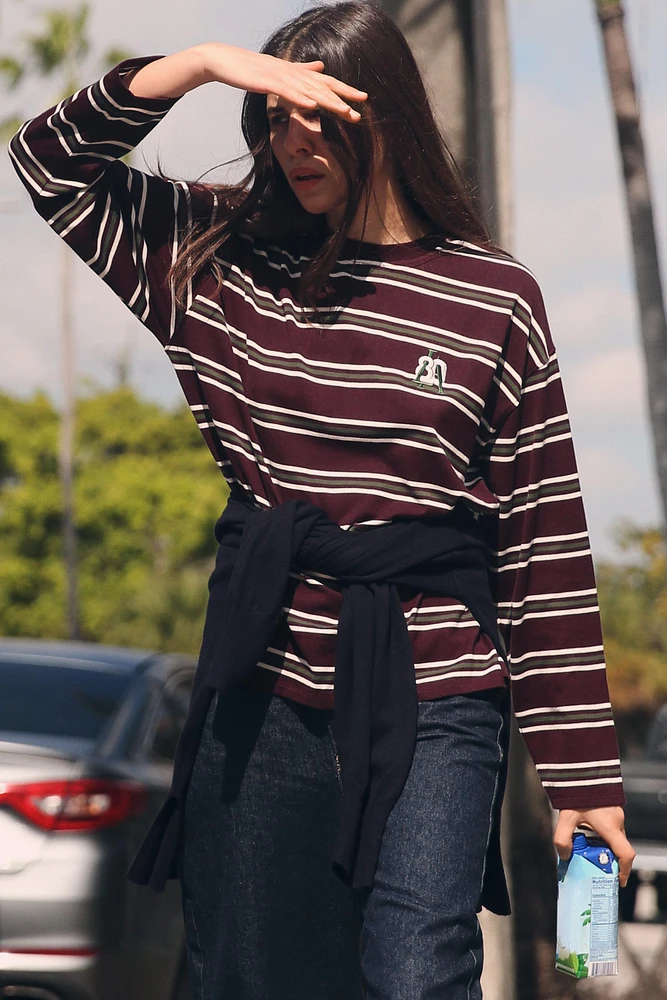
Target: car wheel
{"x": 181, "y": 990}
{"x": 627, "y": 897}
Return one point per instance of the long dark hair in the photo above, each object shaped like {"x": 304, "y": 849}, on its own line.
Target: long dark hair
{"x": 361, "y": 45}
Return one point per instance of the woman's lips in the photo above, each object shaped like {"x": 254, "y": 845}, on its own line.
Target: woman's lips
{"x": 308, "y": 182}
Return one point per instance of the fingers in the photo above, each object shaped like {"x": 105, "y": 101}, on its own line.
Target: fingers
{"x": 343, "y": 88}
{"x": 309, "y": 87}
{"x": 609, "y": 823}
{"x": 625, "y": 853}
{"x": 321, "y": 99}
{"x": 567, "y": 821}
{"x": 327, "y": 97}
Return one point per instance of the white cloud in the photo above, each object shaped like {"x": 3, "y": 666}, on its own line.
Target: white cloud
{"x": 616, "y": 486}
{"x": 29, "y": 365}
{"x": 594, "y": 315}
{"x": 608, "y": 390}
{"x": 569, "y": 210}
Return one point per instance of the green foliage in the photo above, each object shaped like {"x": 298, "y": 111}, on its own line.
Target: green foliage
{"x": 147, "y": 496}
{"x": 12, "y": 70}
{"x": 63, "y": 40}
{"x": 633, "y": 603}
{"x": 58, "y": 49}
{"x": 113, "y": 56}
{"x": 9, "y": 127}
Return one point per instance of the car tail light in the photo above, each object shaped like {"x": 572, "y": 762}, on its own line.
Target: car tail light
{"x": 69, "y": 952}
{"x": 84, "y": 804}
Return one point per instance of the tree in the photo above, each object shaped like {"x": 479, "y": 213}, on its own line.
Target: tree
{"x": 653, "y": 323}
{"x": 59, "y": 50}
{"x": 147, "y": 494}
{"x": 633, "y": 602}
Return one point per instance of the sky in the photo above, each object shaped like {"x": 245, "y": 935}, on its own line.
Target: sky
{"x": 569, "y": 224}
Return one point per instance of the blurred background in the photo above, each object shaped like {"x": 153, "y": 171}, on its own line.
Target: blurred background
{"x": 108, "y": 495}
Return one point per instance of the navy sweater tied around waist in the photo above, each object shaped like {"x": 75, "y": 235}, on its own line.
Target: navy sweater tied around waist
{"x": 375, "y": 692}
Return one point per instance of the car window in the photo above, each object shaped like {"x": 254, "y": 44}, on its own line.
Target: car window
{"x": 169, "y": 721}
{"x": 57, "y": 700}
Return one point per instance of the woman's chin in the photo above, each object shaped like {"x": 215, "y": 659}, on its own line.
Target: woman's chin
{"x": 315, "y": 204}
{"x": 312, "y": 210}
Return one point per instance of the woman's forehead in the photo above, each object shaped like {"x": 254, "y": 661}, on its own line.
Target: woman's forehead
{"x": 278, "y": 103}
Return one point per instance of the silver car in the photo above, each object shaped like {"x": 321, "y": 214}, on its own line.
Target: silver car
{"x": 87, "y": 738}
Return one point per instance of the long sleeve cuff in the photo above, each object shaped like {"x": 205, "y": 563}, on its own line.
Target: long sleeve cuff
{"x": 114, "y": 87}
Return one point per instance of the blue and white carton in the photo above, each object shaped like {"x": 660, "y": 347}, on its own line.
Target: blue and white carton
{"x": 587, "y": 924}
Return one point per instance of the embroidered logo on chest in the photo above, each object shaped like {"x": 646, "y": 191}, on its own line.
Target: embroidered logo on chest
{"x": 430, "y": 372}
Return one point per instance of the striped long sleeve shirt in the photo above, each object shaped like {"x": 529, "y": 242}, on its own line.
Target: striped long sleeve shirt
{"x": 436, "y": 382}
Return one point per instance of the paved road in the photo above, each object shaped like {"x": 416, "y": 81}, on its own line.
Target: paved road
{"x": 640, "y": 943}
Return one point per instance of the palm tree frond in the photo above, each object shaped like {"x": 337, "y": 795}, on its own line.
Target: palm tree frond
{"x": 62, "y": 41}
{"x": 12, "y": 70}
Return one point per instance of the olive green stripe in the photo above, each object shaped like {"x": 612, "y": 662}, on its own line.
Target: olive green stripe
{"x": 108, "y": 237}
{"x": 555, "y": 603}
{"x": 531, "y": 438}
{"x": 308, "y": 478}
{"x": 421, "y": 617}
{"x": 541, "y": 490}
{"x": 307, "y": 422}
{"x": 552, "y": 718}
{"x": 564, "y": 659}
{"x": 474, "y": 410}
{"x": 297, "y": 668}
{"x": 486, "y": 296}
{"x": 474, "y": 666}
{"x": 350, "y": 376}
{"x": 320, "y": 678}
{"x": 611, "y": 771}
{"x": 440, "y": 284}
{"x": 439, "y": 338}
{"x": 340, "y": 481}
{"x": 542, "y": 374}
{"x": 544, "y": 548}
{"x": 541, "y": 607}
{"x": 373, "y": 435}
{"x": 38, "y": 174}
{"x": 74, "y": 211}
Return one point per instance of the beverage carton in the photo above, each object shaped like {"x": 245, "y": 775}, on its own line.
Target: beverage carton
{"x": 587, "y": 924}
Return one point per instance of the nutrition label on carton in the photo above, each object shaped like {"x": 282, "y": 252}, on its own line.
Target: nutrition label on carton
{"x": 604, "y": 926}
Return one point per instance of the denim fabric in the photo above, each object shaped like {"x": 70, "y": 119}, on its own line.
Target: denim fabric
{"x": 266, "y": 917}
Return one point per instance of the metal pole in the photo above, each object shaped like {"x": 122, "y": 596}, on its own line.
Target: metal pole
{"x": 492, "y": 109}
{"x": 67, "y": 447}
{"x": 490, "y": 137}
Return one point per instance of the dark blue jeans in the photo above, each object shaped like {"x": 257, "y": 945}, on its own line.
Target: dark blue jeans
{"x": 267, "y": 919}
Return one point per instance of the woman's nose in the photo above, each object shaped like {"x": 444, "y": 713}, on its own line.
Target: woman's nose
{"x": 298, "y": 136}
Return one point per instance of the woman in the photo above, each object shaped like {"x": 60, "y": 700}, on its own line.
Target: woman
{"x": 379, "y": 387}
